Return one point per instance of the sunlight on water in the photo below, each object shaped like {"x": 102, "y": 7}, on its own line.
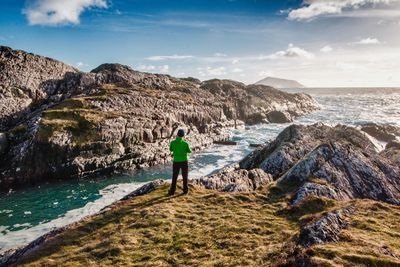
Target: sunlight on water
{"x": 27, "y": 214}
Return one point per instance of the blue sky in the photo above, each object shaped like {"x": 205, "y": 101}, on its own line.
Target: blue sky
{"x": 317, "y": 42}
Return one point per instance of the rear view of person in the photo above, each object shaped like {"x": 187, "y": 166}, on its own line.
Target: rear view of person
{"x": 180, "y": 149}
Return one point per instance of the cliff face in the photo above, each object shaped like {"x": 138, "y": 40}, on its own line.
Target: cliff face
{"x": 57, "y": 122}
{"x": 26, "y": 80}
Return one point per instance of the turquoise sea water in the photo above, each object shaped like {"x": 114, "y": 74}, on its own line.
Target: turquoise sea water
{"x": 29, "y": 213}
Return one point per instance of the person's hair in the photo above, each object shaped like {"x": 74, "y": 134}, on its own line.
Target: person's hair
{"x": 181, "y": 133}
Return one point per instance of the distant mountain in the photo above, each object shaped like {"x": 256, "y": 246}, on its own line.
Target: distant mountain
{"x": 280, "y": 83}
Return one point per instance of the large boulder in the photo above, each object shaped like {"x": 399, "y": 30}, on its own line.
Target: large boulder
{"x": 233, "y": 179}
{"x": 334, "y": 162}
{"x": 348, "y": 172}
{"x": 276, "y": 116}
{"x": 325, "y": 229}
{"x": 296, "y": 141}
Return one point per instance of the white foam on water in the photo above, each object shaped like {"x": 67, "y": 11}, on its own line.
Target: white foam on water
{"x": 110, "y": 194}
{"x": 5, "y": 211}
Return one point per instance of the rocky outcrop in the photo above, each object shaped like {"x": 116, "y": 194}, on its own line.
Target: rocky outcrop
{"x": 335, "y": 162}
{"x": 145, "y": 189}
{"x": 28, "y": 80}
{"x": 392, "y": 152}
{"x": 314, "y": 189}
{"x": 113, "y": 119}
{"x": 325, "y": 229}
{"x": 382, "y": 132}
{"x": 233, "y": 179}
{"x": 279, "y": 117}
{"x": 293, "y": 143}
{"x": 258, "y": 103}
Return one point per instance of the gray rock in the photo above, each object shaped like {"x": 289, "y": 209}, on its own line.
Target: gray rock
{"x": 393, "y": 144}
{"x": 231, "y": 179}
{"x": 313, "y": 189}
{"x": 276, "y": 116}
{"x": 145, "y": 189}
{"x": 382, "y": 132}
{"x": 293, "y": 143}
{"x": 343, "y": 158}
{"x": 392, "y": 152}
{"x": 325, "y": 229}
{"x": 27, "y": 79}
{"x": 350, "y": 172}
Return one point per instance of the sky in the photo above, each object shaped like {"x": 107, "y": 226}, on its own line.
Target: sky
{"x": 320, "y": 43}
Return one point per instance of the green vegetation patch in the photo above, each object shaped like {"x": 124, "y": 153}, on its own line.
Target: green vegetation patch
{"x": 79, "y": 123}
{"x": 308, "y": 209}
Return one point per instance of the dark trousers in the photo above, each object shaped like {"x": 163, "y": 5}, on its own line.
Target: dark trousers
{"x": 176, "y": 167}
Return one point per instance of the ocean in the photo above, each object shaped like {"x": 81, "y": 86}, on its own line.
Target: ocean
{"x": 29, "y": 213}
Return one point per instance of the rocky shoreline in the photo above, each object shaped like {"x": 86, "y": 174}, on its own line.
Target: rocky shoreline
{"x": 305, "y": 164}
{"x": 58, "y": 123}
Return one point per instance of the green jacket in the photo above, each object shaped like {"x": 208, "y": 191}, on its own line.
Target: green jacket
{"x": 180, "y": 149}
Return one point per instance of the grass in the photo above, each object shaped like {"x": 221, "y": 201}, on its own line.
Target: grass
{"x": 75, "y": 115}
{"x": 79, "y": 122}
{"x": 372, "y": 238}
{"x": 204, "y": 228}
{"x": 207, "y": 228}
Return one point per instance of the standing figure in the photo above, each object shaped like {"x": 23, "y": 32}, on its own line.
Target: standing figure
{"x": 180, "y": 149}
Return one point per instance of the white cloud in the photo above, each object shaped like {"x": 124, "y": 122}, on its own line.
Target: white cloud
{"x": 316, "y": 8}
{"x": 147, "y": 67}
{"x": 237, "y": 70}
{"x": 291, "y": 52}
{"x": 220, "y": 55}
{"x": 152, "y": 68}
{"x": 172, "y": 57}
{"x": 235, "y": 61}
{"x": 56, "y": 12}
{"x": 265, "y": 73}
{"x": 164, "y": 69}
{"x": 348, "y": 66}
{"x": 326, "y": 49}
{"x": 367, "y": 41}
{"x": 81, "y": 65}
{"x": 216, "y": 71}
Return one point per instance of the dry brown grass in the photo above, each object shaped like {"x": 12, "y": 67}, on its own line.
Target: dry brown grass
{"x": 371, "y": 239}
{"x": 207, "y": 228}
{"x": 204, "y": 228}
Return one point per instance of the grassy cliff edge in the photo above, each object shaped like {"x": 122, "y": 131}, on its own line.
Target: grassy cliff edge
{"x": 209, "y": 228}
